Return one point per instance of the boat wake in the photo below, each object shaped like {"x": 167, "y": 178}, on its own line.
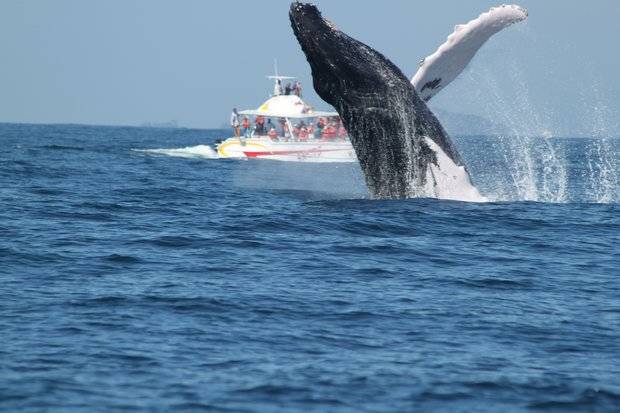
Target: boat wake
{"x": 198, "y": 151}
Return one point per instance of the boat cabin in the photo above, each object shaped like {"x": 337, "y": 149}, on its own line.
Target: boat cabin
{"x": 287, "y": 118}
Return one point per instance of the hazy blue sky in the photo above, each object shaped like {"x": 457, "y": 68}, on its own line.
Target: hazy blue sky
{"x": 133, "y": 61}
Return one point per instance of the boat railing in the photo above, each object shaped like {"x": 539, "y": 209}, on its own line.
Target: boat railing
{"x": 288, "y": 137}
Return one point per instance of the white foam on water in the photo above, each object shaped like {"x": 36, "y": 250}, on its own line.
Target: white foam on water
{"x": 198, "y": 151}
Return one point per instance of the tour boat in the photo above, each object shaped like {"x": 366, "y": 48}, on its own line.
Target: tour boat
{"x": 285, "y": 128}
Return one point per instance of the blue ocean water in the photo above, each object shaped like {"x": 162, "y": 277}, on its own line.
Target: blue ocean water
{"x": 139, "y": 281}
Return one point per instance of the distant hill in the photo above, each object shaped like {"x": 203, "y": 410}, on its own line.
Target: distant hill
{"x": 455, "y": 124}
{"x": 173, "y": 124}
{"x": 466, "y": 124}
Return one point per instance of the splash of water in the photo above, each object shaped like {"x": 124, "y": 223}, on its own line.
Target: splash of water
{"x": 198, "y": 151}
{"x": 534, "y": 165}
{"x": 603, "y": 176}
{"x": 602, "y": 162}
{"x": 537, "y": 168}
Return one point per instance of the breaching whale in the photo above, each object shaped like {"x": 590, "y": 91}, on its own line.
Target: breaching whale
{"x": 402, "y": 148}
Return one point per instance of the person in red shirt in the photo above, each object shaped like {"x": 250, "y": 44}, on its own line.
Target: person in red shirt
{"x": 303, "y": 133}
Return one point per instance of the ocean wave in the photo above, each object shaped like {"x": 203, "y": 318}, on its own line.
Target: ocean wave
{"x": 121, "y": 258}
{"x": 133, "y": 280}
{"x": 62, "y": 147}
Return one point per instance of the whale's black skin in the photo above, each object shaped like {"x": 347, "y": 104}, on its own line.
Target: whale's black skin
{"x": 386, "y": 119}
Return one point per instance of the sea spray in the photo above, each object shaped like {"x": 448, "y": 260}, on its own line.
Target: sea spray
{"x": 602, "y": 160}
{"x": 536, "y": 165}
{"x": 603, "y": 172}
{"x": 198, "y": 151}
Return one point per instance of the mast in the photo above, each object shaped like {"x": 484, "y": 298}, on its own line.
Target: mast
{"x": 277, "y": 87}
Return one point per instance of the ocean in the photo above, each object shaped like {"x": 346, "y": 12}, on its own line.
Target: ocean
{"x": 137, "y": 274}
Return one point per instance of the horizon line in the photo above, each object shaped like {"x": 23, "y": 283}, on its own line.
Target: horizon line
{"x": 222, "y": 129}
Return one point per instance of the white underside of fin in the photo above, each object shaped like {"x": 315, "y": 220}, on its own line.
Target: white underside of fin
{"x": 452, "y": 57}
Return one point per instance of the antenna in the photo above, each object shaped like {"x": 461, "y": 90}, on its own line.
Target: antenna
{"x": 277, "y": 78}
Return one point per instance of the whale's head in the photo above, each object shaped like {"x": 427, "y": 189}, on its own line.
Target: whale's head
{"x": 345, "y": 71}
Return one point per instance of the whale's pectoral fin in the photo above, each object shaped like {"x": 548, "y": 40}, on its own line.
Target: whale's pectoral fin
{"x": 430, "y": 85}
{"x": 442, "y": 67}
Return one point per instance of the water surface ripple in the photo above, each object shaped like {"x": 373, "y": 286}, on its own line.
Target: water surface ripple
{"x": 142, "y": 282}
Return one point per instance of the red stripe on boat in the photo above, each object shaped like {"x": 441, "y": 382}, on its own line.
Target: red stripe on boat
{"x": 276, "y": 153}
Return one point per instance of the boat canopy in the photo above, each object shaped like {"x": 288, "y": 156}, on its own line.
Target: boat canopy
{"x": 286, "y": 106}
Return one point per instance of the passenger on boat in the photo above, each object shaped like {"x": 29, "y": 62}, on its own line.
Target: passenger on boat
{"x": 278, "y": 88}
{"x": 260, "y": 126}
{"x": 329, "y": 132}
{"x": 234, "y": 122}
{"x": 269, "y": 125}
{"x": 287, "y": 89}
{"x": 298, "y": 88}
{"x": 342, "y": 132}
{"x": 320, "y": 125}
{"x": 245, "y": 126}
{"x": 283, "y": 127}
{"x": 273, "y": 134}
{"x": 303, "y": 133}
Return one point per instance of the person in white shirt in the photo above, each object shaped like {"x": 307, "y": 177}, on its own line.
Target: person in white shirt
{"x": 234, "y": 122}
{"x": 277, "y": 90}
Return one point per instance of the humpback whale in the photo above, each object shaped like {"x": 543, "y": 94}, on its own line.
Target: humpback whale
{"x": 402, "y": 148}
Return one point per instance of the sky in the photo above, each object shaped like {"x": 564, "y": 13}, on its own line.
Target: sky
{"x": 125, "y": 62}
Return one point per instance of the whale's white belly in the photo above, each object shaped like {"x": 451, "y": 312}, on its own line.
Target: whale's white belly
{"x": 448, "y": 180}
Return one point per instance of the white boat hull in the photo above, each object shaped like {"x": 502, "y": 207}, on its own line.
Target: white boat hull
{"x": 313, "y": 150}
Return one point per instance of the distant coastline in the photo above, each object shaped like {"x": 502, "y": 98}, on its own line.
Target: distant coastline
{"x": 173, "y": 124}
{"x": 455, "y": 124}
